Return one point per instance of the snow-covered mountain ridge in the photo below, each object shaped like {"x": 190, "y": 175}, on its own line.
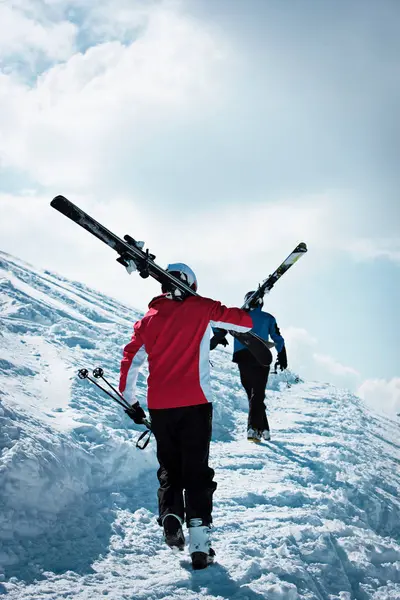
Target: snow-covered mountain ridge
{"x": 315, "y": 514}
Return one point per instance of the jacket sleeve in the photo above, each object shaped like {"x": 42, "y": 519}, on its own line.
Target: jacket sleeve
{"x": 133, "y": 358}
{"x": 231, "y": 319}
{"x": 275, "y": 334}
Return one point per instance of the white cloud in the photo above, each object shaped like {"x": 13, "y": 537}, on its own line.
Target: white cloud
{"x": 118, "y": 19}
{"x": 300, "y": 337}
{"x": 119, "y": 114}
{"x": 334, "y": 366}
{"x": 382, "y": 394}
{"x": 324, "y": 367}
{"x": 255, "y": 230}
{"x": 372, "y": 248}
{"x": 300, "y": 345}
{"x": 310, "y": 364}
{"x": 27, "y": 37}
{"x": 72, "y": 127}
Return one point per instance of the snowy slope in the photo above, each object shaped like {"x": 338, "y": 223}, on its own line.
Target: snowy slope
{"x": 314, "y": 514}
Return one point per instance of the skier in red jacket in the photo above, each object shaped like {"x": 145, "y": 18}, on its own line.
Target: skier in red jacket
{"x": 175, "y": 335}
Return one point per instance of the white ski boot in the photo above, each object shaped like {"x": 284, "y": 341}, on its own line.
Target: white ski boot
{"x": 254, "y": 435}
{"x": 173, "y": 534}
{"x": 266, "y": 435}
{"x": 200, "y": 544}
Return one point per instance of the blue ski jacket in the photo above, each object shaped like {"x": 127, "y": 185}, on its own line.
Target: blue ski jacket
{"x": 265, "y": 326}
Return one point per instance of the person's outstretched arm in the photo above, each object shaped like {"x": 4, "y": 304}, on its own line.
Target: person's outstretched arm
{"x": 230, "y": 319}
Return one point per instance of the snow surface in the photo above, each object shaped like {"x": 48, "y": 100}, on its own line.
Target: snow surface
{"x": 313, "y": 514}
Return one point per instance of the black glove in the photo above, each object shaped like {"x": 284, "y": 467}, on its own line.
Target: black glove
{"x": 219, "y": 337}
{"x": 136, "y": 413}
{"x": 282, "y": 359}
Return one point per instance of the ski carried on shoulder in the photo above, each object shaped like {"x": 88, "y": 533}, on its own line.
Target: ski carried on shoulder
{"x": 130, "y": 250}
{"x": 265, "y": 287}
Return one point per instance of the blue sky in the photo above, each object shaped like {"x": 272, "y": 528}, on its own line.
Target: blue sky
{"x": 223, "y": 133}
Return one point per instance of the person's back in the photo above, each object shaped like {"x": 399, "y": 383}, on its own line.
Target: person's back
{"x": 264, "y": 325}
{"x": 175, "y": 335}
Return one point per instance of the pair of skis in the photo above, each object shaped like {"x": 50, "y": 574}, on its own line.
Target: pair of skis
{"x": 130, "y": 250}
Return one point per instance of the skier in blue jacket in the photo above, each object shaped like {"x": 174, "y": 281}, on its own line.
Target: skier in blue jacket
{"x": 253, "y": 376}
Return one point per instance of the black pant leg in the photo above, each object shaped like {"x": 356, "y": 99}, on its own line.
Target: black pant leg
{"x": 246, "y": 379}
{"x": 164, "y": 424}
{"x": 254, "y": 379}
{"x": 258, "y": 398}
{"x": 197, "y": 476}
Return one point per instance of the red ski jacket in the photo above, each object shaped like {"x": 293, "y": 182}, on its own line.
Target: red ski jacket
{"x": 176, "y": 337}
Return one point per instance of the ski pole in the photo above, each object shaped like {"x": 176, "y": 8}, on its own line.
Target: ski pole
{"x": 84, "y": 374}
{"x": 98, "y": 372}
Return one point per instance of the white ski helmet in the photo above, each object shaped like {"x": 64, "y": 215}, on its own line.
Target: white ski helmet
{"x": 183, "y": 272}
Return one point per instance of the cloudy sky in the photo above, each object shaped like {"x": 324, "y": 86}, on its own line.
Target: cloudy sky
{"x": 222, "y": 132}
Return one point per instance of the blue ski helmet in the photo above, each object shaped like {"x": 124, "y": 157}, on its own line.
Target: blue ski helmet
{"x": 183, "y": 272}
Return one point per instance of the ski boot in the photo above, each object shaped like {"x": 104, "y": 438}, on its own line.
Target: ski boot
{"x": 254, "y": 435}
{"x": 173, "y": 533}
{"x": 200, "y": 549}
{"x": 266, "y": 435}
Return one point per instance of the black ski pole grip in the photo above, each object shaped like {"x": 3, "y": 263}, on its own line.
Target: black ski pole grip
{"x": 98, "y": 372}
{"x": 83, "y": 373}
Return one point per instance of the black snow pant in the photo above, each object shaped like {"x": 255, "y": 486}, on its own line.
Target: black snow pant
{"x": 254, "y": 379}
{"x": 183, "y": 438}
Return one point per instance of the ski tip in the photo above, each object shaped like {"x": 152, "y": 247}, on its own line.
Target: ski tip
{"x": 302, "y": 247}
{"x": 58, "y": 200}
